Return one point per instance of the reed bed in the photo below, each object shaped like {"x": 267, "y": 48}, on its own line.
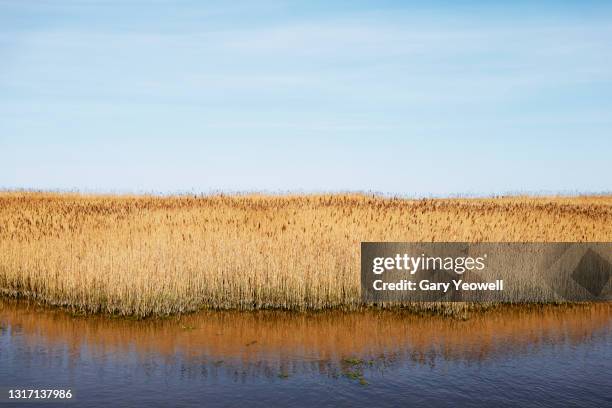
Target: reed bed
{"x": 152, "y": 256}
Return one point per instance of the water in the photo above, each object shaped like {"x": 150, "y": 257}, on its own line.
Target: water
{"x": 550, "y": 357}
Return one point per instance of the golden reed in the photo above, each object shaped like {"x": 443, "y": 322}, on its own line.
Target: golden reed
{"x": 149, "y": 255}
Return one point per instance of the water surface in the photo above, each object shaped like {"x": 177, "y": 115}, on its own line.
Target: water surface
{"x": 528, "y": 357}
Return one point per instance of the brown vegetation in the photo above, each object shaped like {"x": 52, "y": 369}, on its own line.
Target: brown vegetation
{"x": 144, "y": 255}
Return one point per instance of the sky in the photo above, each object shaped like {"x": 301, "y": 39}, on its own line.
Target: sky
{"x": 393, "y": 97}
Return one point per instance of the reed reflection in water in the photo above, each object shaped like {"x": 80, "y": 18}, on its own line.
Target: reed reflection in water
{"x": 299, "y": 358}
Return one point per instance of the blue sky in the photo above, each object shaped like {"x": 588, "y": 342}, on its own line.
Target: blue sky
{"x": 403, "y": 98}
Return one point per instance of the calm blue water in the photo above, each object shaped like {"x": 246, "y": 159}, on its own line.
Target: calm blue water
{"x": 563, "y": 360}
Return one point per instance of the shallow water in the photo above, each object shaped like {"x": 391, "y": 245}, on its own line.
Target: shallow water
{"x": 538, "y": 357}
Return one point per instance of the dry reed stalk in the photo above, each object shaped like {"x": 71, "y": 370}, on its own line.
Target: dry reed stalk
{"x": 148, "y": 255}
